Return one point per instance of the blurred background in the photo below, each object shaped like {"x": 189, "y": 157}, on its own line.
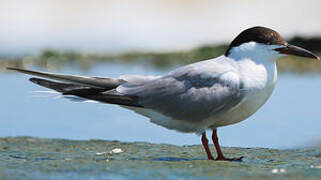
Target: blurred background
{"x": 112, "y": 37}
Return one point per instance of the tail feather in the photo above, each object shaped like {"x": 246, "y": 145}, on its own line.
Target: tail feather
{"x": 67, "y": 88}
{"x": 57, "y": 86}
{"x": 95, "y": 82}
{"x": 92, "y": 88}
{"x": 97, "y": 94}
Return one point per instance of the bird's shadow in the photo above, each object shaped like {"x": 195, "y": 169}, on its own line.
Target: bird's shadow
{"x": 164, "y": 159}
{"x": 168, "y": 159}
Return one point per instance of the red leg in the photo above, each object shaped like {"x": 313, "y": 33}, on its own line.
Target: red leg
{"x": 207, "y": 149}
{"x": 220, "y": 155}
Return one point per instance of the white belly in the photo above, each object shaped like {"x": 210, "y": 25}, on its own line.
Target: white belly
{"x": 251, "y": 103}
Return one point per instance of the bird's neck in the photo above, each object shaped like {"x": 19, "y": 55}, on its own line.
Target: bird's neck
{"x": 254, "y": 51}
{"x": 258, "y": 69}
{"x": 257, "y": 75}
{"x": 257, "y": 64}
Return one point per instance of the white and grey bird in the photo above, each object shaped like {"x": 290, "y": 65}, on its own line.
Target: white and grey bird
{"x": 197, "y": 97}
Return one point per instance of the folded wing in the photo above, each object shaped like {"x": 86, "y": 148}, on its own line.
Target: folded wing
{"x": 190, "y": 93}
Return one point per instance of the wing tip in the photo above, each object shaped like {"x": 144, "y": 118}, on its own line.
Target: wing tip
{"x": 34, "y": 80}
{"x": 18, "y": 69}
{"x": 12, "y": 68}
{"x": 40, "y": 82}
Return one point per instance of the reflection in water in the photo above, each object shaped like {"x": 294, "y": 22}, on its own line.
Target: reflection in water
{"x": 290, "y": 118}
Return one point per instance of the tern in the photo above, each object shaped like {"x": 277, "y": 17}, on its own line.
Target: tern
{"x": 197, "y": 97}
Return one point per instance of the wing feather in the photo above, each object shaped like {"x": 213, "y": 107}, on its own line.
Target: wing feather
{"x": 190, "y": 93}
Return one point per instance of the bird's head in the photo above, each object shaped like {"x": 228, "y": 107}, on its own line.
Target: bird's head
{"x": 261, "y": 44}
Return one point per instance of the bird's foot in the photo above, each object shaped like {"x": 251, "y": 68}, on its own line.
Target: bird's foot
{"x": 222, "y": 158}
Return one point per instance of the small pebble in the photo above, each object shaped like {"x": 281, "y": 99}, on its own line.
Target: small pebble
{"x": 316, "y": 167}
{"x": 116, "y": 151}
{"x": 101, "y": 153}
{"x": 274, "y": 171}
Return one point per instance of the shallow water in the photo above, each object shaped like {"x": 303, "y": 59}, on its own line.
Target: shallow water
{"x": 33, "y": 158}
{"x": 291, "y": 118}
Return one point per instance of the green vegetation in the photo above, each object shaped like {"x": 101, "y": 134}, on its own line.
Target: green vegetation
{"x": 50, "y": 58}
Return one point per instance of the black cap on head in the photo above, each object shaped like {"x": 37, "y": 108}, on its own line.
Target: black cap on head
{"x": 257, "y": 34}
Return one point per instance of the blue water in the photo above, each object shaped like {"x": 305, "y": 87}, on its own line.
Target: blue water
{"x": 291, "y": 118}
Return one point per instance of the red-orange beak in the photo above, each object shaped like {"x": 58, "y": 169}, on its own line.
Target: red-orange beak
{"x": 296, "y": 51}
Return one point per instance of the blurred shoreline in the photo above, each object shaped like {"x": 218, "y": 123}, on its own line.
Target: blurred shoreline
{"x": 54, "y": 59}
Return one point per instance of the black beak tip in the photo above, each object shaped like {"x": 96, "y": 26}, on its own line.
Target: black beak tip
{"x": 313, "y": 56}
{"x": 297, "y": 51}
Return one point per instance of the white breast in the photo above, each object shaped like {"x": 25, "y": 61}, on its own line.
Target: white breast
{"x": 259, "y": 83}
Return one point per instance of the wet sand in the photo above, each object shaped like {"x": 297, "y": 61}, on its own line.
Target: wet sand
{"x": 34, "y": 158}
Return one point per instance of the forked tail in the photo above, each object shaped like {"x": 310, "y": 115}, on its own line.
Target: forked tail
{"x": 93, "y": 88}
